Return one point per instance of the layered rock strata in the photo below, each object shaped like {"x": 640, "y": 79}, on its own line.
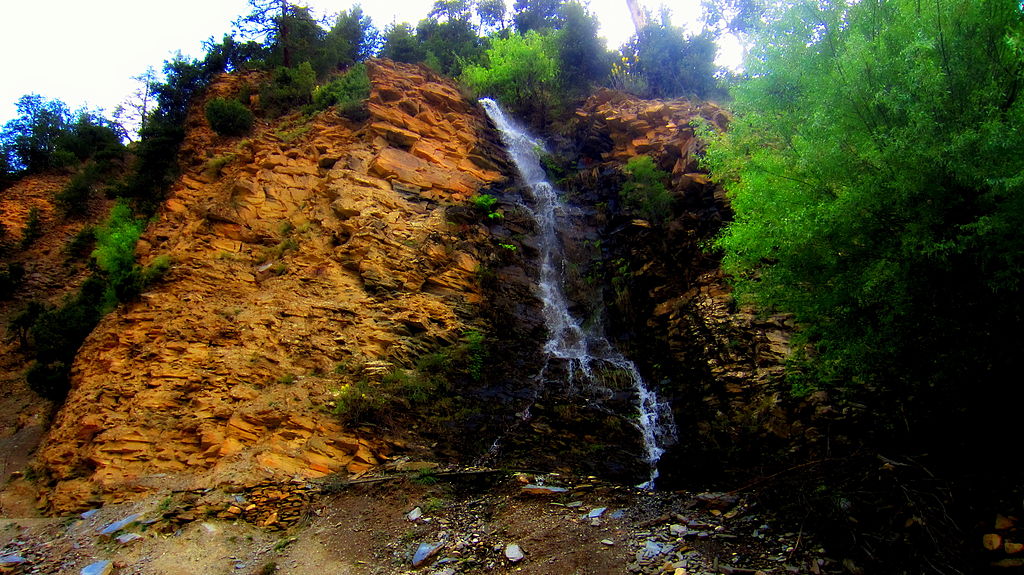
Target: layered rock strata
{"x": 310, "y": 255}
{"x": 672, "y": 306}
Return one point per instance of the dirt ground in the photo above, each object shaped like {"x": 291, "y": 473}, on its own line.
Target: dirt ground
{"x": 582, "y": 526}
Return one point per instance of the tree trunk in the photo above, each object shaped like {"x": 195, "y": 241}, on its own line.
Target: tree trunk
{"x": 638, "y": 15}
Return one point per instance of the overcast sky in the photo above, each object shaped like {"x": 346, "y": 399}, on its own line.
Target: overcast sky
{"x": 85, "y": 52}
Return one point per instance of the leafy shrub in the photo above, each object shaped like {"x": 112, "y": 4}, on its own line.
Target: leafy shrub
{"x": 484, "y": 202}
{"x": 55, "y": 335}
{"x": 10, "y": 278}
{"x": 115, "y": 254}
{"x": 228, "y": 117}
{"x": 82, "y": 243}
{"x": 475, "y": 352}
{"x": 401, "y": 44}
{"x": 33, "y": 228}
{"x": 74, "y": 198}
{"x": 348, "y": 93}
{"x": 522, "y": 72}
{"x": 644, "y": 191}
{"x": 672, "y": 64}
{"x": 156, "y": 269}
{"x": 288, "y": 88}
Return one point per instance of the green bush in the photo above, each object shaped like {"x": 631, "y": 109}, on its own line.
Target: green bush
{"x": 289, "y": 88}
{"x": 347, "y": 92}
{"x": 874, "y": 170}
{"x": 115, "y": 254}
{"x": 521, "y": 71}
{"x": 10, "y": 278}
{"x": 74, "y": 198}
{"x": 156, "y": 269}
{"x": 82, "y": 243}
{"x": 644, "y": 191}
{"x": 33, "y": 229}
{"x": 228, "y": 117}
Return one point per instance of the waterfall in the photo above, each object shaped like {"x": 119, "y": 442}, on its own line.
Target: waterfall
{"x": 582, "y": 350}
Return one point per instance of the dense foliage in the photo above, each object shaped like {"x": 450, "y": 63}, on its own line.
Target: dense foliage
{"x": 47, "y": 135}
{"x": 521, "y": 72}
{"x": 644, "y": 191}
{"x": 228, "y": 117}
{"x": 875, "y": 171}
{"x": 348, "y": 93}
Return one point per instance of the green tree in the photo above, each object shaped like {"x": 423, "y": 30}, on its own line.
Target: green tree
{"x": 115, "y": 253}
{"x": 448, "y": 10}
{"x": 644, "y": 192}
{"x": 521, "y": 71}
{"x": 402, "y": 45}
{"x": 31, "y": 141}
{"x": 353, "y": 38}
{"x": 288, "y": 88}
{"x": 672, "y": 63}
{"x": 491, "y": 14}
{"x": 271, "y": 22}
{"x": 875, "y": 172}
{"x": 538, "y": 15}
{"x": 583, "y": 59}
{"x": 450, "y": 45}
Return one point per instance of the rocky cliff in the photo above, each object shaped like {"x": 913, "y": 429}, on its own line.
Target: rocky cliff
{"x": 668, "y": 304}
{"x": 313, "y": 255}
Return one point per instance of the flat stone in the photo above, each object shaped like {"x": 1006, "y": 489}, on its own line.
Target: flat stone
{"x": 119, "y": 525}
{"x": 596, "y": 512}
{"x": 12, "y": 560}
{"x": 543, "y": 489}
{"x": 99, "y": 568}
{"x": 128, "y": 538}
{"x": 514, "y": 553}
{"x": 424, "y": 553}
{"x": 415, "y": 514}
{"x": 90, "y": 513}
{"x": 608, "y": 542}
{"x": 651, "y": 549}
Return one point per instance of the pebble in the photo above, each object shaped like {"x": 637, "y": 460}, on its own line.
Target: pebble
{"x": 128, "y": 538}
{"x": 119, "y": 525}
{"x": 608, "y": 542}
{"x": 415, "y": 514}
{"x": 424, "y": 552}
{"x": 651, "y": 549}
{"x": 543, "y": 489}
{"x": 89, "y": 513}
{"x": 12, "y": 560}
{"x": 99, "y": 568}
{"x": 514, "y": 553}
{"x": 596, "y": 512}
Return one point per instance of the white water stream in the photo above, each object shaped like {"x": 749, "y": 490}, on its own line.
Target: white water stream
{"x": 582, "y": 350}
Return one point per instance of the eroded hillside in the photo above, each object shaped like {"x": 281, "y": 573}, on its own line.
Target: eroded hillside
{"x": 311, "y": 256}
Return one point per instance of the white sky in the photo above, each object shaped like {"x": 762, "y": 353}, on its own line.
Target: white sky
{"x": 85, "y": 52}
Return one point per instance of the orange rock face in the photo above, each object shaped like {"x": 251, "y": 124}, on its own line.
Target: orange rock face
{"x": 657, "y": 128}
{"x": 294, "y": 263}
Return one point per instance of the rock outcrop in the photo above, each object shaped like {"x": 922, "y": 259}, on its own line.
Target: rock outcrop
{"x": 670, "y": 305}
{"x": 314, "y": 254}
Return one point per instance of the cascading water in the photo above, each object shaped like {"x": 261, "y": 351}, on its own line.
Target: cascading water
{"x": 582, "y": 350}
